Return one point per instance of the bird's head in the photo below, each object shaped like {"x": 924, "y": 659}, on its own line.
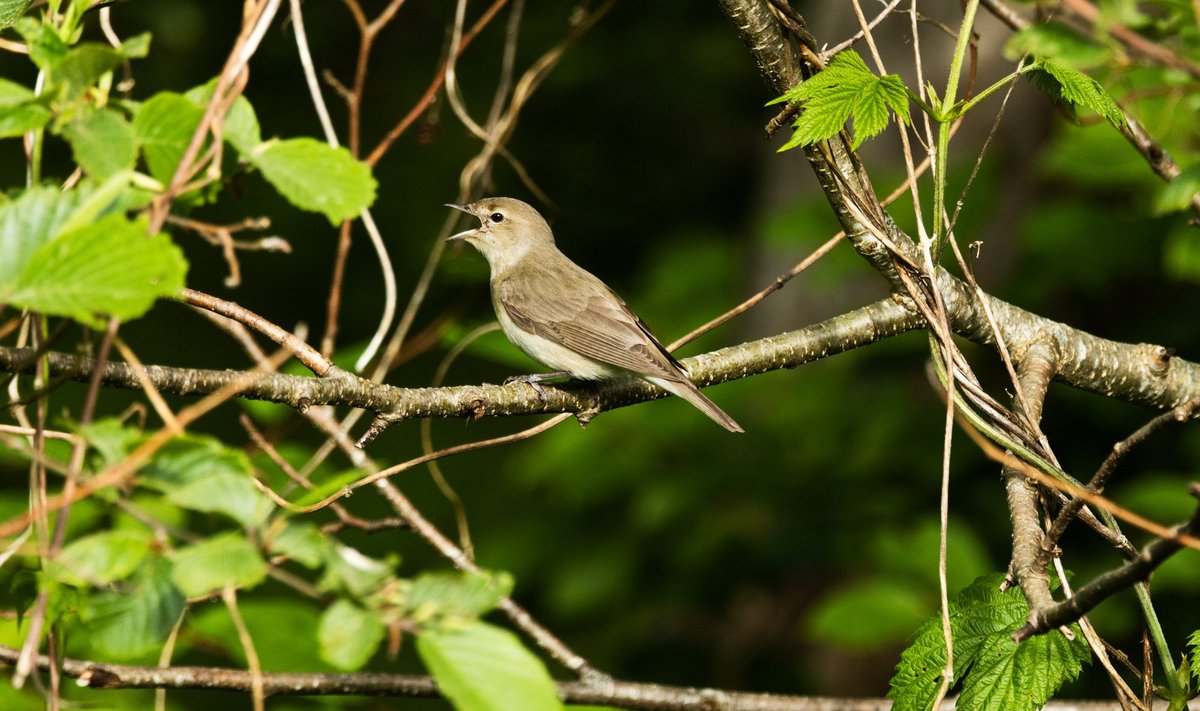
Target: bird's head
{"x": 508, "y": 230}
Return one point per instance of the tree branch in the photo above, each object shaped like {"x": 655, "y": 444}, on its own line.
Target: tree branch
{"x": 1103, "y": 586}
{"x": 619, "y": 694}
{"x": 1034, "y": 373}
{"x": 860, "y": 327}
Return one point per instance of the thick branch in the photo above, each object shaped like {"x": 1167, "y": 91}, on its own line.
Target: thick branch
{"x": 619, "y": 694}
{"x": 1034, "y": 373}
{"x": 860, "y": 327}
{"x": 1144, "y": 374}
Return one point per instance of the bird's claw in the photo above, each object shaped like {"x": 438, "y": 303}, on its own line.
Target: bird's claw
{"x": 530, "y": 380}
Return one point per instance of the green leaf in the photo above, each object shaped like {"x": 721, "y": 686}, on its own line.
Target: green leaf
{"x": 227, "y": 493}
{"x": 350, "y": 571}
{"x": 316, "y": 177}
{"x": 111, "y": 438}
{"x": 111, "y": 267}
{"x": 20, "y": 109}
{"x": 485, "y": 668}
{"x": 136, "y": 47}
{"x": 1177, "y": 195}
{"x": 46, "y": 48}
{"x": 1054, "y": 41}
{"x": 136, "y": 620}
{"x": 164, "y": 126}
{"x": 27, "y": 223}
{"x": 12, "y": 93}
{"x": 101, "y": 558}
{"x": 102, "y": 143}
{"x": 82, "y": 67}
{"x": 11, "y": 11}
{"x": 192, "y": 458}
{"x": 349, "y": 635}
{"x": 303, "y": 543}
{"x": 846, "y": 90}
{"x": 222, "y": 561}
{"x": 241, "y": 123}
{"x": 1194, "y": 643}
{"x": 995, "y": 671}
{"x": 1074, "y": 89}
{"x": 16, "y": 120}
{"x": 456, "y": 596}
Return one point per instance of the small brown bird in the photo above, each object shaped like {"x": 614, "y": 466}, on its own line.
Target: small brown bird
{"x": 561, "y": 315}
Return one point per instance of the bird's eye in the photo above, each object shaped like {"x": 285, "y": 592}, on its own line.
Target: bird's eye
{"x": 496, "y": 217}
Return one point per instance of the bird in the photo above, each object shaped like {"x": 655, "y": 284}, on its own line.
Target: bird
{"x": 561, "y": 315}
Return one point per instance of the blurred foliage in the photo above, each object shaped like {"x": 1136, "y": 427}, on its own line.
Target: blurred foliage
{"x": 657, "y": 547}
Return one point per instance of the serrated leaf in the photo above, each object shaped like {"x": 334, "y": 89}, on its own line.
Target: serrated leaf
{"x": 225, "y": 493}
{"x": 1055, "y": 41}
{"x": 1194, "y": 662}
{"x": 109, "y": 267}
{"x": 1074, "y": 88}
{"x": 317, "y": 177}
{"x": 996, "y": 672}
{"x": 27, "y": 223}
{"x": 241, "y": 128}
{"x": 136, "y": 620}
{"x": 349, "y": 635}
{"x": 101, "y": 558}
{"x": 222, "y": 561}
{"x": 11, "y": 10}
{"x": 102, "y": 143}
{"x": 1177, "y": 194}
{"x": 164, "y": 126}
{"x": 845, "y": 90}
{"x": 303, "y": 543}
{"x": 485, "y": 668}
{"x": 456, "y": 596}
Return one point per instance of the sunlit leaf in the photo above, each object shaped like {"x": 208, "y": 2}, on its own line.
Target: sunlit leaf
{"x": 225, "y": 560}
{"x": 996, "y": 672}
{"x": 349, "y": 635}
{"x": 100, "y": 558}
{"x": 102, "y": 143}
{"x": 316, "y": 177}
{"x": 846, "y": 90}
{"x": 110, "y": 267}
{"x": 1075, "y": 89}
{"x": 485, "y": 668}
{"x": 164, "y": 126}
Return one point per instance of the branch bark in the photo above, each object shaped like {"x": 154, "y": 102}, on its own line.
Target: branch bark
{"x": 619, "y": 694}
{"x": 866, "y": 325}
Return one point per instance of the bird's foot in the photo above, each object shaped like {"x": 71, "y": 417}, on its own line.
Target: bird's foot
{"x": 534, "y": 380}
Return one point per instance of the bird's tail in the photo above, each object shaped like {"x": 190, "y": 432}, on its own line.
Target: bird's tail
{"x": 687, "y": 390}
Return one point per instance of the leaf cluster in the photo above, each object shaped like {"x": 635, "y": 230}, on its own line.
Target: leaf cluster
{"x": 995, "y": 672}
{"x": 846, "y": 90}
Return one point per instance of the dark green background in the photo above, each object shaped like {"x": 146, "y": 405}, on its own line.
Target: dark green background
{"x": 796, "y": 558}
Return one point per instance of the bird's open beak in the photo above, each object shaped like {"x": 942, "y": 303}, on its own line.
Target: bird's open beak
{"x": 466, "y": 233}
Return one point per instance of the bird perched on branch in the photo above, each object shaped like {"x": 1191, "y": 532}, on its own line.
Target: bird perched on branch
{"x": 561, "y": 315}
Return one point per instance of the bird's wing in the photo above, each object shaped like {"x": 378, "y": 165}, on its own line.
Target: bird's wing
{"x": 588, "y": 318}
